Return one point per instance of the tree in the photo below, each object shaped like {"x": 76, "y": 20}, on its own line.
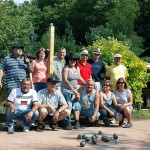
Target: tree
{"x": 55, "y": 12}
{"x": 16, "y": 27}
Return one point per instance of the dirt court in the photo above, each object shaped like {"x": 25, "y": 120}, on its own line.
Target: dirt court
{"x": 137, "y": 137}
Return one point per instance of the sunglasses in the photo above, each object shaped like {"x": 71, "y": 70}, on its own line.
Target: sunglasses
{"x": 120, "y": 82}
{"x": 106, "y": 85}
{"x": 97, "y": 54}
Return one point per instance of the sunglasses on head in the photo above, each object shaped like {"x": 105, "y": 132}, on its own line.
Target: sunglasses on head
{"x": 120, "y": 82}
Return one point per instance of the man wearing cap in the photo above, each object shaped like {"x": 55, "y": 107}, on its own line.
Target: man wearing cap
{"x": 15, "y": 68}
{"x": 117, "y": 70}
{"x": 98, "y": 68}
{"x": 84, "y": 66}
{"x": 53, "y": 105}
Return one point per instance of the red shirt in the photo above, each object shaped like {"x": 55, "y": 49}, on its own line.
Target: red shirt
{"x": 85, "y": 70}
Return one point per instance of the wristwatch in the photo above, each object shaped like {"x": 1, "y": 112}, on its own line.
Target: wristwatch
{"x": 59, "y": 110}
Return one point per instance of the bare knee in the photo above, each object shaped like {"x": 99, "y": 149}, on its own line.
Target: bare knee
{"x": 127, "y": 110}
{"x": 43, "y": 112}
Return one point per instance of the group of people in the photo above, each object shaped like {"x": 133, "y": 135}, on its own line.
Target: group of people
{"x": 77, "y": 86}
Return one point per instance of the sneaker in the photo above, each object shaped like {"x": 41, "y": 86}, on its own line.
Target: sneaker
{"x": 128, "y": 125}
{"x": 41, "y": 127}
{"x": 54, "y": 126}
{"x": 25, "y": 129}
{"x": 112, "y": 121}
{"x": 33, "y": 124}
{"x": 68, "y": 127}
{"x": 10, "y": 130}
{"x": 121, "y": 122}
{"x": 76, "y": 125}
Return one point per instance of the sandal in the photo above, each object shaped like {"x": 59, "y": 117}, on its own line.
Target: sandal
{"x": 128, "y": 125}
{"x": 41, "y": 127}
{"x": 54, "y": 127}
{"x": 106, "y": 122}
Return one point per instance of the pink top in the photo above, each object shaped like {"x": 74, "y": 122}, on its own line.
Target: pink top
{"x": 40, "y": 71}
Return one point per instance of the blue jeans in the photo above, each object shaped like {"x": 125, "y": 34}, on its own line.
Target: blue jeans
{"x": 104, "y": 113}
{"x": 71, "y": 103}
{"x": 88, "y": 113}
{"x": 39, "y": 86}
{"x": 19, "y": 115}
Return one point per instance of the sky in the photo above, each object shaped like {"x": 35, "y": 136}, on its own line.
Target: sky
{"x": 19, "y": 1}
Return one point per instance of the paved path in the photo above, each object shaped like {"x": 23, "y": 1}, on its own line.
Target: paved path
{"x": 137, "y": 137}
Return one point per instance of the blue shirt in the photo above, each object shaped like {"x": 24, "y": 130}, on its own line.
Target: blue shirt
{"x": 55, "y": 100}
{"x": 15, "y": 71}
{"x": 58, "y": 66}
{"x": 98, "y": 70}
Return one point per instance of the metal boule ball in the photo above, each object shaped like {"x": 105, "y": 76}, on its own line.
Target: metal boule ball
{"x": 94, "y": 140}
{"x": 100, "y": 132}
{"x": 79, "y": 136}
{"x": 93, "y": 137}
{"x": 87, "y": 139}
{"x": 115, "y": 136}
{"x": 82, "y": 143}
{"x": 84, "y": 136}
{"x": 106, "y": 139}
{"x": 103, "y": 137}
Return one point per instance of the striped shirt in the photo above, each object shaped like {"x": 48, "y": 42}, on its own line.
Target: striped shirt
{"x": 15, "y": 71}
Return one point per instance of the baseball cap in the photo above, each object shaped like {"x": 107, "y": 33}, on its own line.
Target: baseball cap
{"x": 17, "y": 46}
{"x": 118, "y": 55}
{"x": 53, "y": 79}
{"x": 84, "y": 52}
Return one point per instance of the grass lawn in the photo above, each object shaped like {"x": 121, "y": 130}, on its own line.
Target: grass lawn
{"x": 142, "y": 114}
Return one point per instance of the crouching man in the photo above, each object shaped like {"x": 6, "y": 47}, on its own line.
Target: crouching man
{"x": 22, "y": 104}
{"x": 88, "y": 104}
{"x": 53, "y": 106}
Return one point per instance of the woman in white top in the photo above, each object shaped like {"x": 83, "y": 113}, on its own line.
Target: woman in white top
{"x": 108, "y": 103}
{"x": 124, "y": 99}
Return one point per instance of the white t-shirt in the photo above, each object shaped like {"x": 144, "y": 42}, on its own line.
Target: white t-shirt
{"x": 22, "y": 101}
{"x": 122, "y": 97}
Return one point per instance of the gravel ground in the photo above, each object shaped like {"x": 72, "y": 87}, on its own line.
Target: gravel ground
{"x": 137, "y": 137}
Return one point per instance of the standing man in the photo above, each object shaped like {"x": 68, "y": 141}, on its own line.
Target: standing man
{"x": 53, "y": 105}
{"x": 22, "y": 104}
{"x": 59, "y": 63}
{"x": 15, "y": 68}
{"x": 84, "y": 66}
{"x": 98, "y": 68}
{"x": 117, "y": 70}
